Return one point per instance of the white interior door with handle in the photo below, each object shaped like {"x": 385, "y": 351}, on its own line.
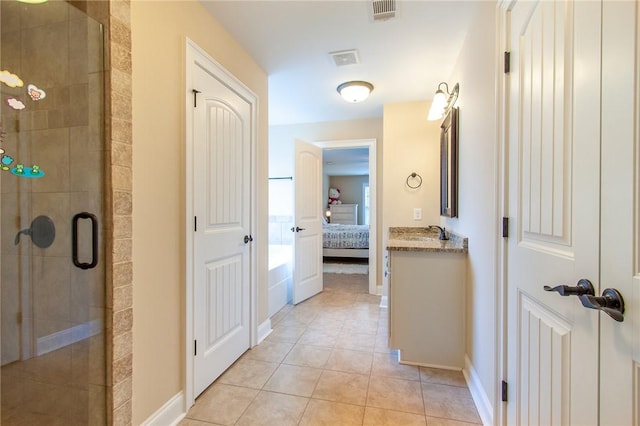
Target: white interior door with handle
{"x": 554, "y": 210}
{"x": 307, "y": 266}
{"x": 223, "y": 122}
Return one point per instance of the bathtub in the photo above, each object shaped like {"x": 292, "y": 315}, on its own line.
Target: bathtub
{"x": 280, "y": 277}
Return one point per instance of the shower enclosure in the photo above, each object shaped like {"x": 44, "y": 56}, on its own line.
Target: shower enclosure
{"x": 52, "y": 162}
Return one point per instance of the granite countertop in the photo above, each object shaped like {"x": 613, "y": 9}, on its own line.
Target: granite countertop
{"x": 426, "y": 240}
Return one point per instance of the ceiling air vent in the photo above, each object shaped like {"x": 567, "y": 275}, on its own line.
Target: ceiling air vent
{"x": 383, "y": 9}
{"x": 345, "y": 57}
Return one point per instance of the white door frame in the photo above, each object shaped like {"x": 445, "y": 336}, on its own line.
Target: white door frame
{"x": 502, "y": 204}
{"x": 193, "y": 54}
{"x": 373, "y": 222}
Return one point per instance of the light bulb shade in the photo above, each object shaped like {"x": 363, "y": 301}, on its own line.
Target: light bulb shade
{"x": 355, "y": 91}
{"x": 438, "y": 105}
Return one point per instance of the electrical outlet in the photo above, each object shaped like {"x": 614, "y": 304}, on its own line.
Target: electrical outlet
{"x": 417, "y": 213}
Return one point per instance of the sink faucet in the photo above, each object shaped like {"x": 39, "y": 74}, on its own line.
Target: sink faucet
{"x": 442, "y": 234}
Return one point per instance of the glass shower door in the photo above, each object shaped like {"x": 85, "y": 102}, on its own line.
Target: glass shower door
{"x": 52, "y": 155}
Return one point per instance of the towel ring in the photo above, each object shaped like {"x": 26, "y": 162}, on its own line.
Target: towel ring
{"x": 416, "y": 180}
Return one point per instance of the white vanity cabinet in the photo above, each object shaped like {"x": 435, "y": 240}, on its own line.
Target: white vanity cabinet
{"x": 346, "y": 214}
{"x": 427, "y": 307}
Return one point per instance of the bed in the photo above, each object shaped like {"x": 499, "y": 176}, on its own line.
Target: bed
{"x": 340, "y": 240}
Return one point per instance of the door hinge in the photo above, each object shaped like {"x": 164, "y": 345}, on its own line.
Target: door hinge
{"x": 195, "y": 97}
{"x": 195, "y": 224}
{"x": 504, "y": 391}
{"x": 195, "y": 347}
{"x": 507, "y": 62}
{"x": 505, "y": 227}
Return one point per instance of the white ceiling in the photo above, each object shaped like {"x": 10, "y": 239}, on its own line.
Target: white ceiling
{"x": 404, "y": 57}
{"x": 345, "y": 162}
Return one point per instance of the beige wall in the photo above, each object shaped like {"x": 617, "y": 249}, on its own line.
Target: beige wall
{"x": 478, "y": 215}
{"x": 412, "y": 144}
{"x": 159, "y": 29}
{"x": 350, "y": 191}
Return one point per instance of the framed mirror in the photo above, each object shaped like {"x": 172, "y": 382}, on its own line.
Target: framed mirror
{"x": 449, "y": 164}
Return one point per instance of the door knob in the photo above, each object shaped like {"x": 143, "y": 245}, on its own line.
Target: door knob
{"x": 584, "y": 287}
{"x": 247, "y": 238}
{"x": 611, "y": 303}
{"x": 297, "y": 229}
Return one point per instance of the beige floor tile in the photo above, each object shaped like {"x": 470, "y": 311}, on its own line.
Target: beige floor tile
{"x": 395, "y": 394}
{"x": 381, "y": 417}
{"x": 326, "y": 323}
{"x": 307, "y": 355}
{"x": 278, "y": 316}
{"x": 386, "y": 364}
{"x": 435, "y": 421}
{"x": 324, "y": 338}
{"x": 349, "y": 388}
{"x": 290, "y": 321}
{"x": 293, "y": 380}
{"x": 270, "y": 409}
{"x": 355, "y": 340}
{"x": 350, "y": 361}
{"x": 369, "y": 298}
{"x": 304, "y": 314}
{"x": 190, "y": 422}
{"x": 442, "y": 377}
{"x": 382, "y": 345}
{"x": 332, "y": 413}
{"x": 362, "y": 326}
{"x": 269, "y": 351}
{"x": 332, "y": 312}
{"x": 286, "y": 334}
{"x": 249, "y": 373}
{"x": 449, "y": 402}
{"x": 222, "y": 404}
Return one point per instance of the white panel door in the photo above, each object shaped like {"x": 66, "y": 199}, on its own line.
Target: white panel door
{"x": 222, "y": 137}
{"x": 554, "y": 183}
{"x": 307, "y": 268}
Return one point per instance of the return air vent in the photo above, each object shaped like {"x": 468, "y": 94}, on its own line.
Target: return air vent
{"x": 383, "y": 9}
{"x": 345, "y": 57}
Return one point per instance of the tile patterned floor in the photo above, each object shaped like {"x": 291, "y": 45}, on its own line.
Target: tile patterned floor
{"x": 327, "y": 362}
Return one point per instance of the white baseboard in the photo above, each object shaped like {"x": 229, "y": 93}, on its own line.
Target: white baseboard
{"x": 483, "y": 404}
{"x": 170, "y": 414}
{"x": 384, "y": 302}
{"x": 264, "y": 330}
{"x": 68, "y": 336}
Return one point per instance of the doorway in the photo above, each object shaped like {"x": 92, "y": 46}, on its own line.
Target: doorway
{"x": 368, "y": 205}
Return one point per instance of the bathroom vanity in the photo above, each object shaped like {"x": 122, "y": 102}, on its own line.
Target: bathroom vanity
{"x": 427, "y": 297}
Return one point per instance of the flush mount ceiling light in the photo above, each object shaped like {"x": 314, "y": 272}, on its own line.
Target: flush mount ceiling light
{"x": 33, "y": 1}
{"x": 442, "y": 103}
{"x": 355, "y": 91}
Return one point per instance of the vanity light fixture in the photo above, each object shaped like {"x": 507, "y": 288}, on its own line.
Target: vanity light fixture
{"x": 355, "y": 91}
{"x": 442, "y": 103}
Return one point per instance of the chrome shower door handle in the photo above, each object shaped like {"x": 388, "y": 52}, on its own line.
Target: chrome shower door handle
{"x": 94, "y": 240}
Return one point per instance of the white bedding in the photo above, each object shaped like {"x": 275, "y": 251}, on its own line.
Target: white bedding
{"x": 338, "y": 236}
